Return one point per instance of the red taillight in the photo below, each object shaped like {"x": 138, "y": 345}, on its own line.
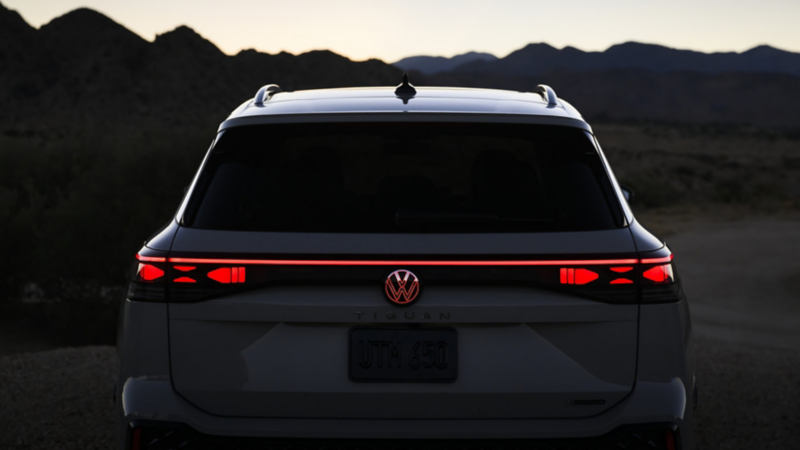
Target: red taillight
{"x": 659, "y": 274}
{"x": 648, "y": 280}
{"x": 659, "y": 282}
{"x": 228, "y": 275}
{"x": 577, "y": 276}
{"x": 603, "y": 276}
{"x": 148, "y": 278}
{"x": 148, "y": 272}
{"x": 184, "y": 280}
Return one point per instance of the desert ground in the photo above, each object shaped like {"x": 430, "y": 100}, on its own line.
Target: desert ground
{"x": 742, "y": 277}
{"x": 743, "y": 283}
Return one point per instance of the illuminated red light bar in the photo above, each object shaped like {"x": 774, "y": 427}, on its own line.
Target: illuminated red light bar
{"x": 665, "y": 259}
{"x": 157, "y": 259}
{"x": 286, "y": 262}
{"x": 621, "y": 281}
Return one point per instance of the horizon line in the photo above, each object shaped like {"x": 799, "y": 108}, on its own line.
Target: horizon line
{"x": 310, "y": 50}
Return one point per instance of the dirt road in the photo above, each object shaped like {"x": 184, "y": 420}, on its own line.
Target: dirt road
{"x": 743, "y": 282}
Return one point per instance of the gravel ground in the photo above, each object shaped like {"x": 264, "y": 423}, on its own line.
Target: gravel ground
{"x": 60, "y": 399}
{"x": 748, "y": 396}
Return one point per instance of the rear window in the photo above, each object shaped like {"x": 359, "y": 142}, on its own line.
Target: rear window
{"x": 404, "y": 178}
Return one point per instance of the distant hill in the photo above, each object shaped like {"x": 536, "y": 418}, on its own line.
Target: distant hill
{"x": 623, "y": 95}
{"x": 535, "y": 59}
{"x": 635, "y": 81}
{"x": 85, "y": 73}
{"x": 434, "y": 64}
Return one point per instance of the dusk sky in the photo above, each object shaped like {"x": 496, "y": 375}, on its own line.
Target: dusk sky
{"x": 390, "y": 30}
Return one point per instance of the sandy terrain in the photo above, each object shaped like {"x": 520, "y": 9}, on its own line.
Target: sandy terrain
{"x": 743, "y": 281}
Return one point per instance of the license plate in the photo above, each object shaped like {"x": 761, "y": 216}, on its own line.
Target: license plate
{"x": 403, "y": 355}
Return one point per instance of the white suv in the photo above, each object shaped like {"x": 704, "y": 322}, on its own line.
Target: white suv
{"x": 386, "y": 268}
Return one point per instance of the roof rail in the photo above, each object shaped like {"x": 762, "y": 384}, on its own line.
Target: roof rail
{"x": 265, "y": 93}
{"x": 548, "y": 94}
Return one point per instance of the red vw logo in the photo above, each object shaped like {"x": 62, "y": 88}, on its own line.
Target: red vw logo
{"x": 402, "y": 287}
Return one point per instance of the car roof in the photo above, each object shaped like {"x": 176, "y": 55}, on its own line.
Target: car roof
{"x": 384, "y": 100}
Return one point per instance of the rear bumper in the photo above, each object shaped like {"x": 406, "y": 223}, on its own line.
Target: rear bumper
{"x": 166, "y": 435}
{"x": 155, "y": 400}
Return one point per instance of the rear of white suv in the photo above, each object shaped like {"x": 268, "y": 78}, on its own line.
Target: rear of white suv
{"x": 457, "y": 271}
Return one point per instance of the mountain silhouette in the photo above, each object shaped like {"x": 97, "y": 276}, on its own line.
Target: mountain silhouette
{"x": 435, "y": 64}
{"x": 13, "y": 28}
{"x": 84, "y": 72}
{"x": 535, "y": 59}
{"x": 86, "y": 33}
{"x": 184, "y": 41}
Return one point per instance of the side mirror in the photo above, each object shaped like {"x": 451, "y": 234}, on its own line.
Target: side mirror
{"x": 627, "y": 192}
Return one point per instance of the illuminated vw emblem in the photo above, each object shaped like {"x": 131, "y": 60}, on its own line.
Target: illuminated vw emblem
{"x": 402, "y": 287}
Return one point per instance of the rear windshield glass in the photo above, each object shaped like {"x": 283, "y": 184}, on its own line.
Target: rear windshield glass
{"x": 404, "y": 178}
